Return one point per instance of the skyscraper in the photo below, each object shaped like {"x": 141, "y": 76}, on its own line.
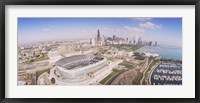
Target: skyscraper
{"x": 98, "y": 35}
{"x": 150, "y": 43}
{"x": 140, "y": 41}
{"x": 103, "y": 40}
{"x": 93, "y": 42}
{"x": 114, "y": 37}
{"x": 156, "y": 43}
{"x": 90, "y": 41}
{"x": 136, "y": 39}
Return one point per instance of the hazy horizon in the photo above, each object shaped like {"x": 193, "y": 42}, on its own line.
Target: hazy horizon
{"x": 162, "y": 30}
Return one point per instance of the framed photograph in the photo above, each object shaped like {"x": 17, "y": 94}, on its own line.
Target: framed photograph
{"x": 100, "y": 51}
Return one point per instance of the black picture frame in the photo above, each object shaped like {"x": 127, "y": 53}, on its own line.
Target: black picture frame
{"x": 99, "y": 2}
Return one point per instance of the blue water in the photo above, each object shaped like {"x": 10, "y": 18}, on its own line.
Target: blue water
{"x": 167, "y": 52}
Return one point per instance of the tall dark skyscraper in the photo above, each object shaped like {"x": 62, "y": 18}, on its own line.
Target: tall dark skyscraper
{"x": 150, "y": 43}
{"x": 90, "y": 41}
{"x": 156, "y": 43}
{"x": 114, "y": 37}
{"x": 98, "y": 35}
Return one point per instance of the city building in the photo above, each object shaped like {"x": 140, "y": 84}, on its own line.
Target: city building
{"x": 150, "y": 43}
{"x": 127, "y": 40}
{"x": 155, "y": 43}
{"x": 103, "y": 41}
{"x": 54, "y": 56}
{"x": 136, "y": 39}
{"x": 90, "y": 41}
{"x": 93, "y": 42}
{"x": 114, "y": 37}
{"x": 98, "y": 35}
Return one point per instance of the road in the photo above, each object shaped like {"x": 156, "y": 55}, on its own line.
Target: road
{"x": 144, "y": 73}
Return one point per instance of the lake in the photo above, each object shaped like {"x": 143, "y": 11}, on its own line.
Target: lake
{"x": 166, "y": 52}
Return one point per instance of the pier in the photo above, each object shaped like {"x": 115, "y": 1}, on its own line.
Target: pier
{"x": 167, "y": 74}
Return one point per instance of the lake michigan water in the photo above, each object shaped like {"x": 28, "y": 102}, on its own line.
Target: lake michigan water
{"x": 167, "y": 52}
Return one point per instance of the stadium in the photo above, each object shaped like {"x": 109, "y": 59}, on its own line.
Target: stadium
{"x": 77, "y": 68}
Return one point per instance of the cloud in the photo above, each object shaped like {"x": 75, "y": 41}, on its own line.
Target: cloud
{"x": 142, "y": 19}
{"x": 134, "y": 29}
{"x": 46, "y": 29}
{"x": 150, "y": 25}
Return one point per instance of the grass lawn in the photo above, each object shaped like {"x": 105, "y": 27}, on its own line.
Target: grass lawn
{"x": 41, "y": 57}
{"x": 118, "y": 71}
{"x": 127, "y": 47}
{"x": 148, "y": 69}
{"x": 21, "y": 69}
{"x": 107, "y": 78}
{"x": 39, "y": 72}
{"x": 127, "y": 65}
{"x": 111, "y": 59}
{"x": 38, "y": 58}
{"x": 111, "y": 76}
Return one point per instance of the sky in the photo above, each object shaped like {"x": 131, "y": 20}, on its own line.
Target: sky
{"x": 162, "y": 30}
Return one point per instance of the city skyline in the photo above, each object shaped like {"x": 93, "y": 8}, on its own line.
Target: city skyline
{"x": 163, "y": 30}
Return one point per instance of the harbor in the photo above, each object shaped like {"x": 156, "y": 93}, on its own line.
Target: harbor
{"x": 167, "y": 74}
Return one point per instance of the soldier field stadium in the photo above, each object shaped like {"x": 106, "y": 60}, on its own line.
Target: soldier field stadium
{"x": 81, "y": 70}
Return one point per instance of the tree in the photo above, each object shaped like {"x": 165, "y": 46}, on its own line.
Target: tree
{"x": 137, "y": 54}
{"x": 143, "y": 54}
{"x": 53, "y": 80}
{"x": 31, "y": 60}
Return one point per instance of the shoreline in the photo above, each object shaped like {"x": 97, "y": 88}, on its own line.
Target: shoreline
{"x": 151, "y": 72}
{"x": 165, "y": 54}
